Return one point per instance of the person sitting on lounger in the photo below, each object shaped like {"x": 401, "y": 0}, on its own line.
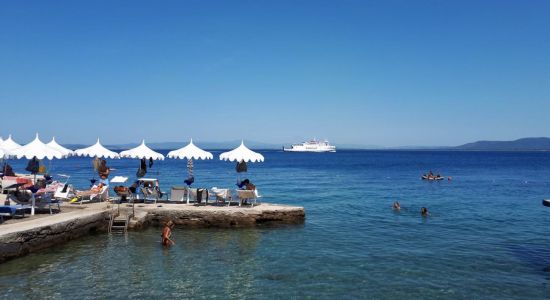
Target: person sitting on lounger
{"x": 103, "y": 171}
{"x": 96, "y": 189}
{"x": 104, "y": 181}
{"x": 246, "y": 185}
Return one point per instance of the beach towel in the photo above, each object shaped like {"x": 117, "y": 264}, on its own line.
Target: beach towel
{"x": 142, "y": 168}
{"x": 200, "y": 194}
{"x": 241, "y": 167}
{"x": 33, "y": 166}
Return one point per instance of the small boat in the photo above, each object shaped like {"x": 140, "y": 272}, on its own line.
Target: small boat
{"x": 546, "y": 202}
{"x": 426, "y": 177}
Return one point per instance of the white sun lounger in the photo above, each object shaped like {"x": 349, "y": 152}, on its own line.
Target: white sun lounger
{"x": 178, "y": 194}
{"x": 103, "y": 195}
{"x": 222, "y": 195}
{"x": 245, "y": 195}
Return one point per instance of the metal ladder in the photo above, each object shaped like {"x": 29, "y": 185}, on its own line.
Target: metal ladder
{"x": 119, "y": 222}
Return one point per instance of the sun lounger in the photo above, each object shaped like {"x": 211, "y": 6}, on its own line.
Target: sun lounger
{"x": 150, "y": 189}
{"x": 12, "y": 211}
{"x": 151, "y": 194}
{"x": 178, "y": 194}
{"x": 102, "y": 195}
{"x": 30, "y": 176}
{"x": 222, "y": 195}
{"x": 65, "y": 192}
{"x": 10, "y": 183}
{"x": 248, "y": 195}
{"x": 47, "y": 200}
{"x": 197, "y": 195}
{"x": 50, "y": 188}
{"x": 40, "y": 200}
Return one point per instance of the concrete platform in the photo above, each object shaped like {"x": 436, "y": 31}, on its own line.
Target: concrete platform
{"x": 22, "y": 236}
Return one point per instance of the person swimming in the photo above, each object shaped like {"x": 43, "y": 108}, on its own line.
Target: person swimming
{"x": 424, "y": 212}
{"x": 396, "y": 205}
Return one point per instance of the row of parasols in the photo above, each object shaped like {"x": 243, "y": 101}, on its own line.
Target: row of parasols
{"x": 39, "y": 150}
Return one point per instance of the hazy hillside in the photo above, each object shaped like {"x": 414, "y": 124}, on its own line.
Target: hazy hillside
{"x": 524, "y": 144}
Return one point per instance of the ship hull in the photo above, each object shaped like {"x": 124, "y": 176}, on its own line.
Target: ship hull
{"x": 308, "y": 150}
{"x": 311, "y": 146}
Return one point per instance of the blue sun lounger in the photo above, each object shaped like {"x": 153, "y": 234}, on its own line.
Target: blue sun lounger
{"x": 12, "y": 211}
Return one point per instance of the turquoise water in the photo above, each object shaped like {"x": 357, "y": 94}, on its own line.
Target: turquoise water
{"x": 486, "y": 236}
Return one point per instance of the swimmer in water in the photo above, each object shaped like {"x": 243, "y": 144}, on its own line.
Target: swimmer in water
{"x": 424, "y": 212}
{"x": 396, "y": 205}
{"x": 167, "y": 233}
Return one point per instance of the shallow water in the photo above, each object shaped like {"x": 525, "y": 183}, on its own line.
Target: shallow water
{"x": 486, "y": 236}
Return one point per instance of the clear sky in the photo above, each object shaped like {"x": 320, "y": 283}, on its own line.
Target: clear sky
{"x": 386, "y": 73}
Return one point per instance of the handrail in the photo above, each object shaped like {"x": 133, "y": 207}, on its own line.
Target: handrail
{"x": 113, "y": 214}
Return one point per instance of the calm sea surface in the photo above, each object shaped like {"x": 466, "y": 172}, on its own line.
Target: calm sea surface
{"x": 488, "y": 235}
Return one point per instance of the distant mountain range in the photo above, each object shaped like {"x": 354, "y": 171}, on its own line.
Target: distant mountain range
{"x": 524, "y": 144}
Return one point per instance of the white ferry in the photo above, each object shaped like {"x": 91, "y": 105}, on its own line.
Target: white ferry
{"x": 311, "y": 146}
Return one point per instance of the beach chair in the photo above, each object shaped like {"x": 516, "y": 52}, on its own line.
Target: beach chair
{"x": 150, "y": 189}
{"x": 197, "y": 195}
{"x": 123, "y": 194}
{"x": 12, "y": 183}
{"x": 65, "y": 192}
{"x": 33, "y": 178}
{"x": 178, "y": 194}
{"x": 47, "y": 200}
{"x": 13, "y": 211}
{"x": 149, "y": 194}
{"x": 222, "y": 195}
{"x": 23, "y": 198}
{"x": 102, "y": 195}
{"x": 248, "y": 195}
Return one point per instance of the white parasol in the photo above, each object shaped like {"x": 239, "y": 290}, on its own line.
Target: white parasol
{"x": 190, "y": 152}
{"x": 36, "y": 149}
{"x": 6, "y": 146}
{"x": 142, "y": 151}
{"x": 9, "y": 145}
{"x": 54, "y": 145}
{"x": 96, "y": 150}
{"x": 242, "y": 153}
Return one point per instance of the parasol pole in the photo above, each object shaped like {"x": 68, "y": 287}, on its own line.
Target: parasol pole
{"x": 189, "y": 174}
{"x": 34, "y": 192}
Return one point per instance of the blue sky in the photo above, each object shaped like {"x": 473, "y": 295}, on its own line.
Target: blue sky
{"x": 386, "y": 73}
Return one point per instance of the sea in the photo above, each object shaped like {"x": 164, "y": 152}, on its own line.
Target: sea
{"x": 487, "y": 235}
